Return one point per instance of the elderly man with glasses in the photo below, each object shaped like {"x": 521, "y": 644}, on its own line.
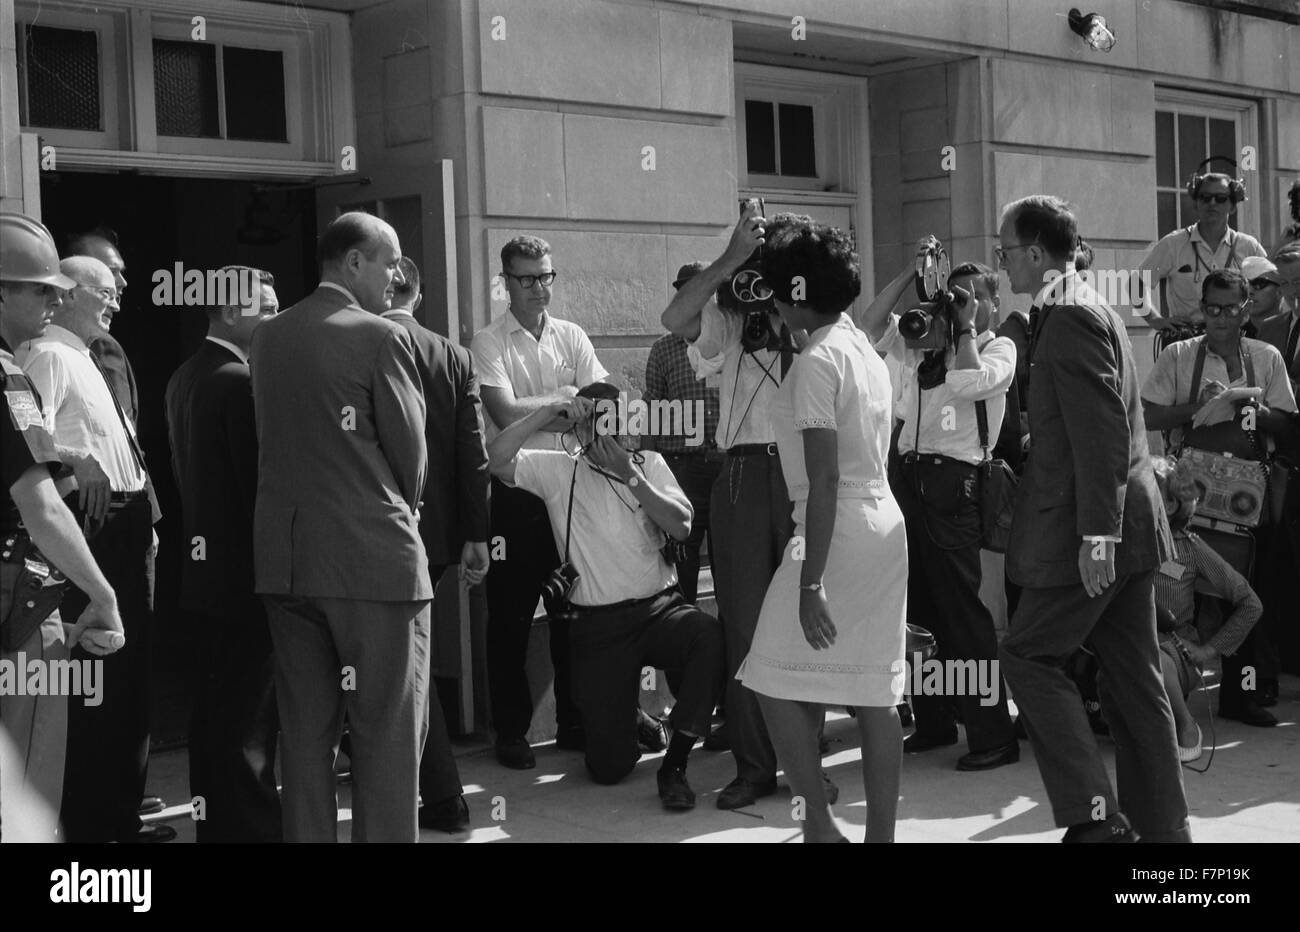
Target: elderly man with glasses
{"x": 1181, "y": 261}
{"x": 108, "y": 744}
{"x": 1197, "y": 391}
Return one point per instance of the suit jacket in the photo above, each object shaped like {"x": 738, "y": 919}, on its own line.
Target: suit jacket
{"x": 214, "y": 458}
{"x": 1088, "y": 470}
{"x": 455, "y": 505}
{"x": 1274, "y": 331}
{"x": 121, "y": 381}
{"x": 341, "y": 455}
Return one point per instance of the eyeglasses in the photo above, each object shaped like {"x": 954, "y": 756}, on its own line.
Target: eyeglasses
{"x": 1214, "y": 198}
{"x": 107, "y": 295}
{"x": 1001, "y": 254}
{"x": 1216, "y": 310}
{"x": 1259, "y": 284}
{"x": 528, "y": 281}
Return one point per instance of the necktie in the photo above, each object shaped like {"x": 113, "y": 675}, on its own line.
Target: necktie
{"x": 787, "y": 351}
{"x": 1289, "y": 356}
{"x": 136, "y": 452}
{"x": 1033, "y": 323}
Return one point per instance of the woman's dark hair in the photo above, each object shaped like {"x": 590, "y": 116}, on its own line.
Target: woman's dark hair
{"x": 810, "y": 263}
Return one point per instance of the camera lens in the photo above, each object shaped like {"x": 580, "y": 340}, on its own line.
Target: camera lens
{"x": 914, "y": 324}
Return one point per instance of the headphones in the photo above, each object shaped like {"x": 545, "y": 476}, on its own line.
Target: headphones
{"x": 1236, "y": 186}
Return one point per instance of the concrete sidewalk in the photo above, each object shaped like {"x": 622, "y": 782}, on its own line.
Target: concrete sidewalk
{"x": 1250, "y": 794}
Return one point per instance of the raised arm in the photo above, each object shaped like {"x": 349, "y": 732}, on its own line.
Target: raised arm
{"x": 682, "y": 316}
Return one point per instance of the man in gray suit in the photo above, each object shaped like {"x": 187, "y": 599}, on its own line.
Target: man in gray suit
{"x": 338, "y": 556}
{"x": 1088, "y": 535}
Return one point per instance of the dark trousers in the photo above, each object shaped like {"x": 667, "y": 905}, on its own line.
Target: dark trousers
{"x": 439, "y": 777}
{"x": 941, "y": 510}
{"x": 108, "y": 744}
{"x": 1119, "y": 626}
{"x": 610, "y": 648}
{"x": 696, "y": 475}
{"x": 234, "y": 727}
{"x": 514, "y": 585}
{"x": 751, "y": 518}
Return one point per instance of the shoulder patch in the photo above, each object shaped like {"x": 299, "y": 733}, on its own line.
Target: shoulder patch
{"x": 23, "y": 409}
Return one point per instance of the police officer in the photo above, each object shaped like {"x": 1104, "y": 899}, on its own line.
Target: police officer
{"x": 37, "y": 531}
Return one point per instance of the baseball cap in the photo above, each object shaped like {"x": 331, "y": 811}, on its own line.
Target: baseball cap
{"x": 1253, "y": 267}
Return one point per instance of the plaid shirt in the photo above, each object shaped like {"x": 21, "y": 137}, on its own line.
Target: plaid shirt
{"x": 669, "y": 376}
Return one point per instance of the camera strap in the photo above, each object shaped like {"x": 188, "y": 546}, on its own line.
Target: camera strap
{"x": 568, "y": 523}
{"x": 982, "y": 424}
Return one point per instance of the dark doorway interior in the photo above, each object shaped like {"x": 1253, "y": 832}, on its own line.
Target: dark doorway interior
{"x": 204, "y": 224}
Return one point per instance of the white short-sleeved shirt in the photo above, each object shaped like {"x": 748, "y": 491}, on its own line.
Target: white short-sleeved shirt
{"x": 838, "y": 382}
{"x": 1184, "y": 258}
{"x": 78, "y": 405}
{"x": 1170, "y": 381}
{"x": 948, "y": 421}
{"x": 613, "y": 544}
{"x": 506, "y": 355}
{"x": 747, "y": 382}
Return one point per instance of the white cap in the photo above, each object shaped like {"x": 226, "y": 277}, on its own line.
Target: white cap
{"x": 1252, "y": 267}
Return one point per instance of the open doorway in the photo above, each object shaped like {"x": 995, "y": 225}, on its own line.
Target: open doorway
{"x": 205, "y": 224}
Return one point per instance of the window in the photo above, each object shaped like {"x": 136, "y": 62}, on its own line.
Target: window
{"x": 58, "y": 78}
{"x": 779, "y": 139}
{"x": 1189, "y": 129}
{"x": 186, "y": 78}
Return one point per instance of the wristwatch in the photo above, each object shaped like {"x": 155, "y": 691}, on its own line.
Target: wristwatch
{"x": 969, "y": 331}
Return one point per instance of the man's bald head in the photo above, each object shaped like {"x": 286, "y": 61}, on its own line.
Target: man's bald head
{"x": 353, "y": 230}
{"x": 360, "y": 252}
{"x": 84, "y": 308}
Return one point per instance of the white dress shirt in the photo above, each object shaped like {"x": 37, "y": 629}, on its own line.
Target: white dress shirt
{"x": 78, "y": 406}
{"x": 1187, "y": 250}
{"x": 747, "y": 382}
{"x": 507, "y": 355}
{"x": 948, "y": 422}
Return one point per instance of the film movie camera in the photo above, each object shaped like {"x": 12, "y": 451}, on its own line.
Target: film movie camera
{"x": 746, "y": 293}
{"x": 930, "y": 326}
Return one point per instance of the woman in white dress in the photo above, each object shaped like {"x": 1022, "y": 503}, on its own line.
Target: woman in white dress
{"x": 832, "y": 628}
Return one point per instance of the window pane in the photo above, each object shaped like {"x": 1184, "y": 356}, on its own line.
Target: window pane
{"x": 185, "y": 88}
{"x": 1166, "y": 212}
{"x": 798, "y": 153}
{"x": 254, "y": 81}
{"x": 1191, "y": 145}
{"x": 760, "y": 137}
{"x": 1166, "y": 177}
{"x": 62, "y": 72}
{"x": 1223, "y": 141}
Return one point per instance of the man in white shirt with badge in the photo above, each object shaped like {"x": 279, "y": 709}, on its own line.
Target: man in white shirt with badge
{"x": 526, "y": 360}
{"x": 108, "y": 744}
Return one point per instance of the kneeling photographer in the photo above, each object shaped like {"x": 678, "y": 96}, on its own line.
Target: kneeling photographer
{"x": 618, "y": 518}
{"x": 951, "y": 403}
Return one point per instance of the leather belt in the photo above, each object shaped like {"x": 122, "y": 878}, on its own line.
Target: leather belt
{"x": 711, "y": 455}
{"x": 752, "y": 449}
{"x": 626, "y": 603}
{"x": 933, "y": 459}
{"x": 140, "y": 496}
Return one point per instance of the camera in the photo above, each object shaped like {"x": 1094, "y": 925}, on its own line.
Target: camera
{"x": 674, "y": 552}
{"x": 747, "y": 293}
{"x": 930, "y": 326}
{"x": 557, "y": 590}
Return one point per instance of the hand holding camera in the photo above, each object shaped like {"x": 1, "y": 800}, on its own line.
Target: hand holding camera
{"x": 607, "y": 454}
{"x": 747, "y": 236}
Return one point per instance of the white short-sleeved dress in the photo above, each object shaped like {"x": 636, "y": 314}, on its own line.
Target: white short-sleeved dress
{"x": 838, "y": 381}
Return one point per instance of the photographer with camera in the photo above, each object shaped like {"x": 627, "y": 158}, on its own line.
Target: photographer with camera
{"x": 610, "y": 511}
{"x": 727, "y": 315}
{"x": 955, "y": 375}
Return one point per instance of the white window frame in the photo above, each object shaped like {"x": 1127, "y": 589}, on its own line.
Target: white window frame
{"x": 834, "y": 100}
{"x": 319, "y": 109}
{"x": 109, "y": 31}
{"x": 1243, "y": 114}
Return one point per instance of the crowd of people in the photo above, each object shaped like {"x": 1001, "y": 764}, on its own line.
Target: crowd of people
{"x": 334, "y": 459}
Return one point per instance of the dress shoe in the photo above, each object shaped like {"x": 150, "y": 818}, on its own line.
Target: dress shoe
{"x": 651, "y": 736}
{"x": 918, "y": 742}
{"x": 987, "y": 760}
{"x": 448, "y": 815}
{"x": 832, "y": 791}
{"x": 152, "y": 834}
{"x": 718, "y": 740}
{"x": 515, "y": 754}
{"x": 1250, "y": 714}
{"x": 571, "y": 739}
{"x": 674, "y": 792}
{"x": 151, "y": 804}
{"x": 1114, "y": 830}
{"x": 740, "y": 793}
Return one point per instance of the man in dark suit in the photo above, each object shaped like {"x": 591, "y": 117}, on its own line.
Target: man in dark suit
{"x": 1283, "y": 330}
{"x": 233, "y": 725}
{"x": 1088, "y": 534}
{"x": 453, "y": 514}
{"x": 337, "y": 551}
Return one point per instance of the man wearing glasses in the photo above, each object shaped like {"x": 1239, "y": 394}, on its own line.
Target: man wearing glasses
{"x": 108, "y": 744}
{"x": 527, "y": 360}
{"x": 1180, "y": 261}
{"x": 1197, "y": 391}
{"x": 1265, "y": 302}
